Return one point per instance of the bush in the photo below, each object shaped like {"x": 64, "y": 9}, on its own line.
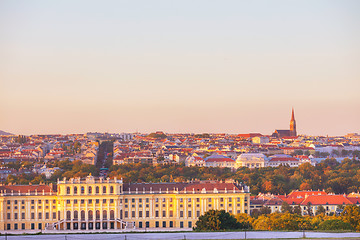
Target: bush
{"x": 217, "y": 220}
{"x": 334, "y": 224}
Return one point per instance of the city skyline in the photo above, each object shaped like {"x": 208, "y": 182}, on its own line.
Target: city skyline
{"x": 235, "y": 67}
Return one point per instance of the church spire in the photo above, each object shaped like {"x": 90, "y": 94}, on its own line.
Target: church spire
{"x": 293, "y": 124}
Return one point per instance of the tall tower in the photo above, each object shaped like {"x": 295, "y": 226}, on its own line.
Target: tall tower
{"x": 293, "y": 125}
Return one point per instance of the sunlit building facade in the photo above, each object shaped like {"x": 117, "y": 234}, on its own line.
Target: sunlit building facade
{"x": 102, "y": 204}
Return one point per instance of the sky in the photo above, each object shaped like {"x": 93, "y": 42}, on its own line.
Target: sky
{"x": 179, "y": 66}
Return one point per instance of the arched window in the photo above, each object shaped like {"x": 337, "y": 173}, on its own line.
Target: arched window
{"x": 90, "y": 190}
{"x": 76, "y": 215}
{"x": 104, "y": 189}
{"x": 68, "y": 215}
{"x": 75, "y": 190}
{"x": 97, "y": 215}
{"x": 104, "y": 214}
{"x": 112, "y": 215}
{"x": 82, "y": 190}
{"x": 90, "y": 215}
{"x": 97, "y": 190}
{"x": 82, "y": 215}
{"x": 111, "y": 189}
{"x": 68, "y": 190}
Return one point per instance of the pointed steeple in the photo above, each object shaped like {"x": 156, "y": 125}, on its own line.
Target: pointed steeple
{"x": 293, "y": 124}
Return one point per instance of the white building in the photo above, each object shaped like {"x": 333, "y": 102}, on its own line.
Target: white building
{"x": 251, "y": 160}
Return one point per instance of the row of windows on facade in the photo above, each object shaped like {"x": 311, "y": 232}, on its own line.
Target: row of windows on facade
{"x": 90, "y": 190}
{"x": 90, "y": 215}
{"x": 32, "y": 201}
{"x": 32, "y": 216}
{"x": 97, "y": 225}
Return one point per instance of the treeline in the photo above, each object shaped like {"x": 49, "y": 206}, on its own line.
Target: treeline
{"x": 329, "y": 175}
{"x": 349, "y": 219}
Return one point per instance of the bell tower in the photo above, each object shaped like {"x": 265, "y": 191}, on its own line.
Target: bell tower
{"x": 293, "y": 124}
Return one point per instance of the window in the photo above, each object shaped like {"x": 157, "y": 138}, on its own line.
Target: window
{"x": 197, "y": 199}
{"x": 68, "y": 215}
{"x": 147, "y": 224}
{"x": 189, "y": 199}
{"x": 140, "y": 224}
{"x": 221, "y": 199}
{"x": 97, "y": 201}
{"x": 68, "y": 190}
{"x": 47, "y": 215}
{"x": 197, "y": 213}
{"x": 181, "y": 224}
{"x": 22, "y": 215}
{"x": 111, "y": 200}
{"x": 140, "y": 200}
{"x": 133, "y": 214}
{"x": 40, "y": 215}
{"x": 189, "y": 214}
{"x": 171, "y": 213}
{"x": 190, "y": 224}
{"x": 82, "y": 215}
{"x": 32, "y": 215}
{"x": 147, "y": 213}
{"x": 8, "y": 216}
{"x": 104, "y": 200}
{"x": 209, "y": 199}
{"x": 67, "y": 201}
{"x": 112, "y": 214}
{"x": 238, "y": 199}
{"x": 15, "y": 226}
{"x": 76, "y": 215}
{"x": 111, "y": 189}
{"x": 32, "y": 202}
{"x": 33, "y": 226}
{"x": 40, "y": 226}
{"x": 39, "y": 201}
{"x": 230, "y": 199}
{"x": 75, "y": 190}
{"x": 181, "y": 200}
{"x": 82, "y": 201}
{"x": 23, "y": 226}
{"x": 156, "y": 200}
{"x": 147, "y": 200}
{"x": 181, "y": 214}
{"x": 157, "y": 224}
{"x": 75, "y": 201}
{"x": 15, "y": 216}
{"x": 90, "y": 215}
{"x": 15, "y": 202}
{"x": 104, "y": 190}
{"x": 97, "y": 190}
{"x": 8, "y": 226}
{"x": 156, "y": 213}
{"x": 140, "y": 214}
{"x": 82, "y": 190}
{"x": 164, "y": 224}
{"x": 104, "y": 214}
{"x": 90, "y": 201}
{"x": 90, "y": 190}
{"x": 171, "y": 223}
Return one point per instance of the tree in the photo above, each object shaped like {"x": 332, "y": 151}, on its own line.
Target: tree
{"x": 216, "y": 220}
{"x": 320, "y": 210}
{"x": 297, "y": 210}
{"x": 285, "y": 207}
{"x": 305, "y": 186}
{"x": 309, "y": 209}
{"x": 334, "y": 224}
{"x": 351, "y": 215}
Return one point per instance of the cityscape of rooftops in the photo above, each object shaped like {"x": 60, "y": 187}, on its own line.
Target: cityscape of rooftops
{"x": 171, "y": 118}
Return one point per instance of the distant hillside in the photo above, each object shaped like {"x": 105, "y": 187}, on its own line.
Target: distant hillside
{"x": 2, "y": 133}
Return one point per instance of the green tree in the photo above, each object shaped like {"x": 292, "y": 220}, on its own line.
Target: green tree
{"x": 334, "y": 224}
{"x": 320, "y": 210}
{"x": 285, "y": 207}
{"x": 217, "y": 220}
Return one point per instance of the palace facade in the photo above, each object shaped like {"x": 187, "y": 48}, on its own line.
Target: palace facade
{"x": 101, "y": 204}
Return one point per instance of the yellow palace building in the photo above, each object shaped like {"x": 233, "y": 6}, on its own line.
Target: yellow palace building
{"x": 102, "y": 204}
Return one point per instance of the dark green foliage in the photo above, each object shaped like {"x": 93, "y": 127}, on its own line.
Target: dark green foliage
{"x": 334, "y": 224}
{"x": 217, "y": 220}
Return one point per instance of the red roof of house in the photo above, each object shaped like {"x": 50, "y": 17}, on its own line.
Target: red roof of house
{"x": 303, "y": 194}
{"x": 326, "y": 200}
{"x": 283, "y": 159}
{"x": 354, "y": 200}
{"x": 25, "y": 188}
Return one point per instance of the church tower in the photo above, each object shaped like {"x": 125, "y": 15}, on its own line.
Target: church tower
{"x": 293, "y": 125}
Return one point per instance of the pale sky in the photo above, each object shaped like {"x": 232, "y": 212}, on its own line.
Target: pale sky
{"x": 179, "y": 66}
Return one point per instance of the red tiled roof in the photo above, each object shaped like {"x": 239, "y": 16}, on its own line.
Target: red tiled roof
{"x": 25, "y": 188}
{"x": 326, "y": 200}
{"x": 302, "y": 194}
{"x": 354, "y": 200}
{"x": 283, "y": 159}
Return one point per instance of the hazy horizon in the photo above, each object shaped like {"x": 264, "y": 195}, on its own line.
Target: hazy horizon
{"x": 179, "y": 67}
